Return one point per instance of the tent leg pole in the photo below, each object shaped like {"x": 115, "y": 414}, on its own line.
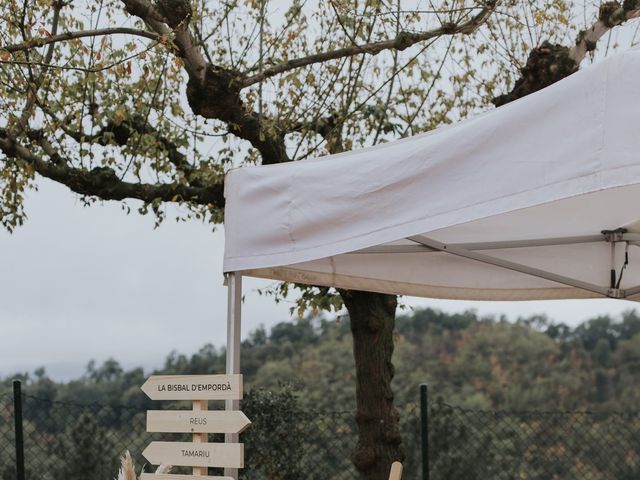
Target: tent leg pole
{"x": 234, "y": 317}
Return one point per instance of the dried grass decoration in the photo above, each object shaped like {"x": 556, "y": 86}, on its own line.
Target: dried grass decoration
{"x": 128, "y": 471}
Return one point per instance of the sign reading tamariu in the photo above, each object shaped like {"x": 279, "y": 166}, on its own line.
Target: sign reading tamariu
{"x": 193, "y": 387}
{"x": 197, "y": 421}
{"x": 186, "y": 454}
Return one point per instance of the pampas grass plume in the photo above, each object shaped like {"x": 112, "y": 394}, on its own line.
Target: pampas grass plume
{"x": 128, "y": 471}
{"x": 164, "y": 469}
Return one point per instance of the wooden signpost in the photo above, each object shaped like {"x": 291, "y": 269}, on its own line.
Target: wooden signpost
{"x": 199, "y": 454}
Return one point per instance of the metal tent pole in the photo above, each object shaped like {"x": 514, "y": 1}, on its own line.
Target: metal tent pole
{"x": 424, "y": 430}
{"x": 499, "y": 262}
{"x": 234, "y": 317}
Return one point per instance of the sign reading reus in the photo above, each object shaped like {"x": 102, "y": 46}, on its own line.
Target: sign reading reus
{"x": 196, "y": 421}
{"x": 193, "y": 387}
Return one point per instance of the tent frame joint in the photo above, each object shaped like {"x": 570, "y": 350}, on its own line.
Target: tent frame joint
{"x": 616, "y": 293}
{"x": 612, "y": 236}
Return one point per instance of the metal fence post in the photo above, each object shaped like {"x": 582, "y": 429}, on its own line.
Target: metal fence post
{"x": 424, "y": 430}
{"x": 17, "y": 417}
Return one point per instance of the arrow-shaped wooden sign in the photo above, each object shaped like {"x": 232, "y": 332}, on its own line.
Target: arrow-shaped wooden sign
{"x": 186, "y": 454}
{"x": 193, "y": 387}
{"x": 196, "y": 421}
{"x": 175, "y": 476}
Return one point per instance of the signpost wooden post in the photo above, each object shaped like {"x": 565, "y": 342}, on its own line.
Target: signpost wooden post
{"x": 199, "y": 421}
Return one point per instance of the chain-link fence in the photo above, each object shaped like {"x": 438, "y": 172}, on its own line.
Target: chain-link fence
{"x": 480, "y": 445}
{"x": 7, "y": 438}
{"x": 67, "y": 441}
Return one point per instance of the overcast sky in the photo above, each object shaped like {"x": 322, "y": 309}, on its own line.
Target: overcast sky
{"x": 82, "y": 283}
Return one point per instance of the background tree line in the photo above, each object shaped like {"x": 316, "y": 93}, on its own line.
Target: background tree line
{"x": 301, "y": 398}
{"x": 471, "y": 361}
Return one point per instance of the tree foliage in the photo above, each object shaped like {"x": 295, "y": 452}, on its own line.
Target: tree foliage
{"x": 301, "y": 395}
{"x": 126, "y": 99}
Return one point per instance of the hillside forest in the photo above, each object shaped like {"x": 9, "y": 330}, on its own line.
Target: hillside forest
{"x": 481, "y": 363}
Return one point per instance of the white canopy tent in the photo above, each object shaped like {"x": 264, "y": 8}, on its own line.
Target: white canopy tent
{"x": 509, "y": 205}
{"x": 538, "y": 199}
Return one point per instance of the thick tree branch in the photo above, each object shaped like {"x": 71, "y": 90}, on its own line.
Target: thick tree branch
{"x": 147, "y": 12}
{"x": 212, "y": 92}
{"x": 175, "y": 14}
{"x": 219, "y": 97}
{"x": 42, "y": 41}
{"x": 104, "y": 183}
{"x": 611, "y": 15}
{"x": 402, "y": 41}
{"x": 121, "y": 133}
{"x": 549, "y": 63}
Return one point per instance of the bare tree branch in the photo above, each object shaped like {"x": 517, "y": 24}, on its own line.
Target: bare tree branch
{"x": 40, "y": 42}
{"x": 177, "y": 20}
{"x": 611, "y": 15}
{"x": 36, "y": 80}
{"x": 402, "y": 41}
{"x": 78, "y": 69}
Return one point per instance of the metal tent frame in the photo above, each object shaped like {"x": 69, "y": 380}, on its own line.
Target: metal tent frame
{"x": 421, "y": 243}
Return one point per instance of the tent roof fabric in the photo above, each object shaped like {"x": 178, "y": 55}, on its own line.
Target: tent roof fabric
{"x": 561, "y": 163}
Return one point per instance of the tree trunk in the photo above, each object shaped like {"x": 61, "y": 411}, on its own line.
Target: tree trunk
{"x": 373, "y": 314}
{"x": 372, "y": 317}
